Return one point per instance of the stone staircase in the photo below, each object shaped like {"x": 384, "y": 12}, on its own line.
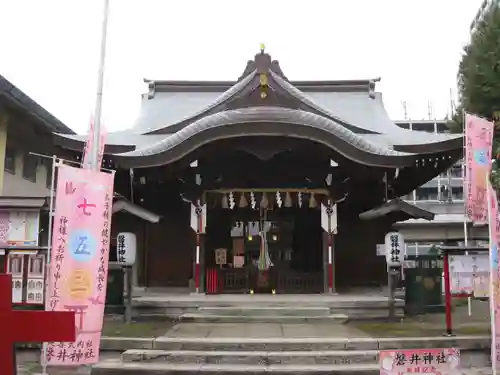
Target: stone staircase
{"x": 197, "y": 307}
{"x": 263, "y": 314}
{"x": 277, "y": 355}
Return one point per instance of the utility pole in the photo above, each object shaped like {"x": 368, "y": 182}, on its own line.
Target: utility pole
{"x": 96, "y": 137}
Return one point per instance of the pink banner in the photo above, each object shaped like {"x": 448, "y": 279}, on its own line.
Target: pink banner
{"x": 79, "y": 260}
{"x": 478, "y": 144}
{"x": 87, "y": 151}
{"x": 88, "y": 146}
{"x": 494, "y": 221}
{"x": 432, "y": 361}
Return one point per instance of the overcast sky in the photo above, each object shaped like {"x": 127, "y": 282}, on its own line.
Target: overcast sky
{"x": 50, "y": 48}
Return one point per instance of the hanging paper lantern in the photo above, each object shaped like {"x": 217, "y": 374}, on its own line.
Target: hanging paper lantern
{"x": 223, "y": 202}
{"x": 243, "y": 201}
{"x": 288, "y": 200}
{"x": 264, "y": 203}
{"x": 312, "y": 201}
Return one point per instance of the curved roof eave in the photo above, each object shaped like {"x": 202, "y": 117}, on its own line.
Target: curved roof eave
{"x": 419, "y": 142}
{"x": 430, "y": 148}
{"x": 265, "y": 121}
{"x": 72, "y": 142}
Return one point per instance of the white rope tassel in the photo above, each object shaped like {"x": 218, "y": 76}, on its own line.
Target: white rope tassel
{"x": 232, "y": 203}
{"x": 278, "y": 199}
{"x": 253, "y": 202}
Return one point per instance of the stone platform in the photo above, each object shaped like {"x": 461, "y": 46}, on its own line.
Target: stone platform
{"x": 280, "y": 349}
{"x": 263, "y": 307}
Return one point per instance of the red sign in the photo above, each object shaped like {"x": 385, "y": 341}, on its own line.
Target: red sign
{"x": 419, "y": 361}
{"x": 28, "y": 326}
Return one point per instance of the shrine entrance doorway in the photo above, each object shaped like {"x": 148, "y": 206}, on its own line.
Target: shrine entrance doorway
{"x": 264, "y": 251}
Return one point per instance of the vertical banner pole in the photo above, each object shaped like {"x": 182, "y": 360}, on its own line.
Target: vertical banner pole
{"x": 466, "y": 241}
{"x": 128, "y": 307}
{"x": 447, "y": 293}
{"x": 199, "y": 213}
{"x": 493, "y": 272}
{"x": 49, "y": 253}
{"x": 96, "y": 141}
{"x": 392, "y": 296}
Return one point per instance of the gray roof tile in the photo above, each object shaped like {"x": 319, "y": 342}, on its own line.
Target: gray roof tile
{"x": 268, "y": 114}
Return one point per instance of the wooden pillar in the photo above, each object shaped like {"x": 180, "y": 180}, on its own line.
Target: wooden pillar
{"x": 331, "y": 262}
{"x": 325, "y": 261}
{"x": 3, "y": 147}
{"x": 202, "y": 263}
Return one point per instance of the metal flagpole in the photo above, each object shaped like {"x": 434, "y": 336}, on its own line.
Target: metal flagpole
{"x": 466, "y": 239}
{"x": 49, "y": 253}
{"x": 492, "y": 287}
{"x": 96, "y": 138}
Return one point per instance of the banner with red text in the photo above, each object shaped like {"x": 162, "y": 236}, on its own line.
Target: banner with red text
{"x": 79, "y": 260}
{"x": 478, "y": 144}
{"x": 494, "y": 224}
{"x": 87, "y": 149}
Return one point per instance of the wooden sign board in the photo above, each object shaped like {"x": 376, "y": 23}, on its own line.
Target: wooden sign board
{"x": 220, "y": 256}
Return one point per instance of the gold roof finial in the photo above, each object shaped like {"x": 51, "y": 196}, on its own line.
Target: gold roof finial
{"x": 262, "y": 47}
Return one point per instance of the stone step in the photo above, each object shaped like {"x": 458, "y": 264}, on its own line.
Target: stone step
{"x": 273, "y": 344}
{"x": 209, "y": 318}
{"x": 117, "y": 367}
{"x": 335, "y": 357}
{"x": 266, "y": 310}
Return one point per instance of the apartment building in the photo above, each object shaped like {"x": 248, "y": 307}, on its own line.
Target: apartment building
{"x": 25, "y": 128}
{"x": 443, "y": 195}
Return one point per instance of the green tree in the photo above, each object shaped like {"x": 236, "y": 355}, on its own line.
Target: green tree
{"x": 479, "y": 78}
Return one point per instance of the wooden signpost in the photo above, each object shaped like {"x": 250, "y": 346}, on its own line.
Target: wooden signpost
{"x": 28, "y": 326}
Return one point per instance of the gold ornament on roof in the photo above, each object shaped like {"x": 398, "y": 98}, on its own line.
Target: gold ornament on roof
{"x": 264, "y": 84}
{"x": 262, "y": 47}
{"x": 263, "y": 79}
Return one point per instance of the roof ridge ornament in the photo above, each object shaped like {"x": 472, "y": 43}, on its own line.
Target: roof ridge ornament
{"x": 262, "y": 63}
{"x": 371, "y": 87}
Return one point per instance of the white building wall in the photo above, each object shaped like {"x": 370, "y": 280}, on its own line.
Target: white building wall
{"x": 16, "y": 186}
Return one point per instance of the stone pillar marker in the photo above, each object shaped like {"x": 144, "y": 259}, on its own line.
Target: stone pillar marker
{"x": 28, "y": 326}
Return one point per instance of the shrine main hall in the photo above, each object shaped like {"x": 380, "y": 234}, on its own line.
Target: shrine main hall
{"x": 265, "y": 184}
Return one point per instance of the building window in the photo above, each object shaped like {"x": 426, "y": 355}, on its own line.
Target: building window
{"x": 456, "y": 171}
{"x": 30, "y": 164}
{"x": 10, "y": 160}
{"x": 408, "y": 197}
{"x": 457, "y": 193}
{"x": 427, "y": 194}
{"x": 48, "y": 174}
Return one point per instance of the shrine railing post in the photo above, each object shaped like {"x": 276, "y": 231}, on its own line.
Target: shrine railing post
{"x": 28, "y": 326}
{"x": 447, "y": 293}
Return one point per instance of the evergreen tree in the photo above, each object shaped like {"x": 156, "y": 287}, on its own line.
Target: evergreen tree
{"x": 479, "y": 78}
